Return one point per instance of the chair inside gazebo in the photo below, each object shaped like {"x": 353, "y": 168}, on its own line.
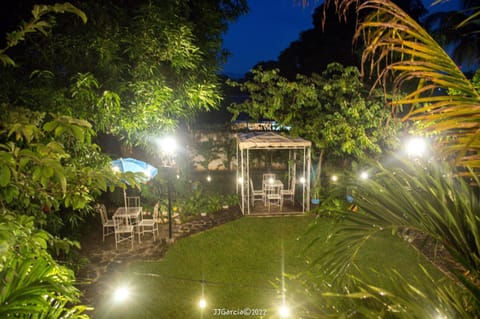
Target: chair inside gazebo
{"x": 290, "y": 197}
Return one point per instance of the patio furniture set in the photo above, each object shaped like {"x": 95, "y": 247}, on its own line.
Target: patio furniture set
{"x": 128, "y": 221}
{"x": 272, "y": 192}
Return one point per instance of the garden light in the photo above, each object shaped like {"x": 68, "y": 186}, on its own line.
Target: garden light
{"x": 334, "y": 178}
{"x": 364, "y": 176}
{"x": 202, "y": 303}
{"x": 209, "y": 178}
{"x": 416, "y": 147}
{"x": 302, "y": 180}
{"x": 168, "y": 145}
{"x": 121, "y": 294}
{"x": 240, "y": 180}
{"x": 270, "y": 180}
{"x": 284, "y": 311}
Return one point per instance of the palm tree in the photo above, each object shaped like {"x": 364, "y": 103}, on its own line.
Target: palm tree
{"x": 420, "y": 199}
{"x": 399, "y": 50}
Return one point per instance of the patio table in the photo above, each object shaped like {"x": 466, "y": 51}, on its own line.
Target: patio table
{"x": 133, "y": 213}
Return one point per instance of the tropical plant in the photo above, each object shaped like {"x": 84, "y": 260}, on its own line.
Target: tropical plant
{"x": 422, "y": 199}
{"x": 398, "y": 48}
{"x": 34, "y": 285}
{"x": 423, "y": 202}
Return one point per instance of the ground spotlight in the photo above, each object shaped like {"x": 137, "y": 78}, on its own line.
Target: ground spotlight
{"x": 202, "y": 303}
{"x": 284, "y": 311}
{"x": 121, "y": 294}
{"x": 364, "y": 175}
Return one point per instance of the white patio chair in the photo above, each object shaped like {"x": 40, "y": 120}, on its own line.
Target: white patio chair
{"x": 133, "y": 201}
{"x": 148, "y": 225}
{"x": 289, "y": 194}
{"x": 124, "y": 230}
{"x": 257, "y": 194}
{"x": 108, "y": 226}
{"x": 273, "y": 195}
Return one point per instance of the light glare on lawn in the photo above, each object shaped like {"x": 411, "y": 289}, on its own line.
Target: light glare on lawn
{"x": 121, "y": 294}
{"x": 202, "y": 303}
{"x": 284, "y": 311}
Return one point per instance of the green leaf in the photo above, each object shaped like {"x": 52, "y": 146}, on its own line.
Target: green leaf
{"x": 5, "y": 176}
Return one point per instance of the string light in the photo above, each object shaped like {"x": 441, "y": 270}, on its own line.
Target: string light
{"x": 121, "y": 294}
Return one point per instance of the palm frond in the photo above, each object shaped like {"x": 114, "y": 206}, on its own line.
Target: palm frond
{"x": 397, "y": 48}
{"x": 416, "y": 197}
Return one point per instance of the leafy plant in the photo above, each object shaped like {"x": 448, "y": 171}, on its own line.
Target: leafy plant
{"x": 398, "y": 48}
{"x": 405, "y": 196}
{"x": 33, "y": 283}
{"x": 38, "y": 23}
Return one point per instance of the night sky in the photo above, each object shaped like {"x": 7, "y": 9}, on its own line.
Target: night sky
{"x": 271, "y": 26}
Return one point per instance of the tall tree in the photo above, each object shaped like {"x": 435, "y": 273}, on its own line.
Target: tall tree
{"x": 135, "y": 69}
{"x": 333, "y": 110}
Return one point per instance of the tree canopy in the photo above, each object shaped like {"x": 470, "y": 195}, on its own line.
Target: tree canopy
{"x": 135, "y": 69}
{"x": 334, "y": 110}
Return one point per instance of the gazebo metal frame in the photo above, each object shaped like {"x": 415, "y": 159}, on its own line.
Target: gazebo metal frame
{"x": 247, "y": 142}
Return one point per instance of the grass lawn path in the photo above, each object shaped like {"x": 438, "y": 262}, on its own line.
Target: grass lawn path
{"x": 237, "y": 265}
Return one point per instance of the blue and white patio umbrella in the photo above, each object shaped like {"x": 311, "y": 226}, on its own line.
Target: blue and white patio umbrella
{"x": 135, "y": 166}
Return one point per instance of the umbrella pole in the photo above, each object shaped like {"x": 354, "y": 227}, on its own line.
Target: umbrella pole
{"x": 125, "y": 199}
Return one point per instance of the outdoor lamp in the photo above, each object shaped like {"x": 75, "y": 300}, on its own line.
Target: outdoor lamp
{"x": 364, "y": 175}
{"x": 168, "y": 146}
{"x": 416, "y": 147}
{"x": 302, "y": 180}
{"x": 202, "y": 303}
{"x": 334, "y": 178}
{"x": 284, "y": 311}
{"x": 121, "y": 294}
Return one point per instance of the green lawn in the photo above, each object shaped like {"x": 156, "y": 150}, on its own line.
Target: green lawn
{"x": 241, "y": 264}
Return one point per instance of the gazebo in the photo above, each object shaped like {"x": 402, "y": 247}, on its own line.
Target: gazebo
{"x": 299, "y": 150}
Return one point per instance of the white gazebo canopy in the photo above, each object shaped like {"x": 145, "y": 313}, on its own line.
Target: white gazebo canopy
{"x": 271, "y": 141}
